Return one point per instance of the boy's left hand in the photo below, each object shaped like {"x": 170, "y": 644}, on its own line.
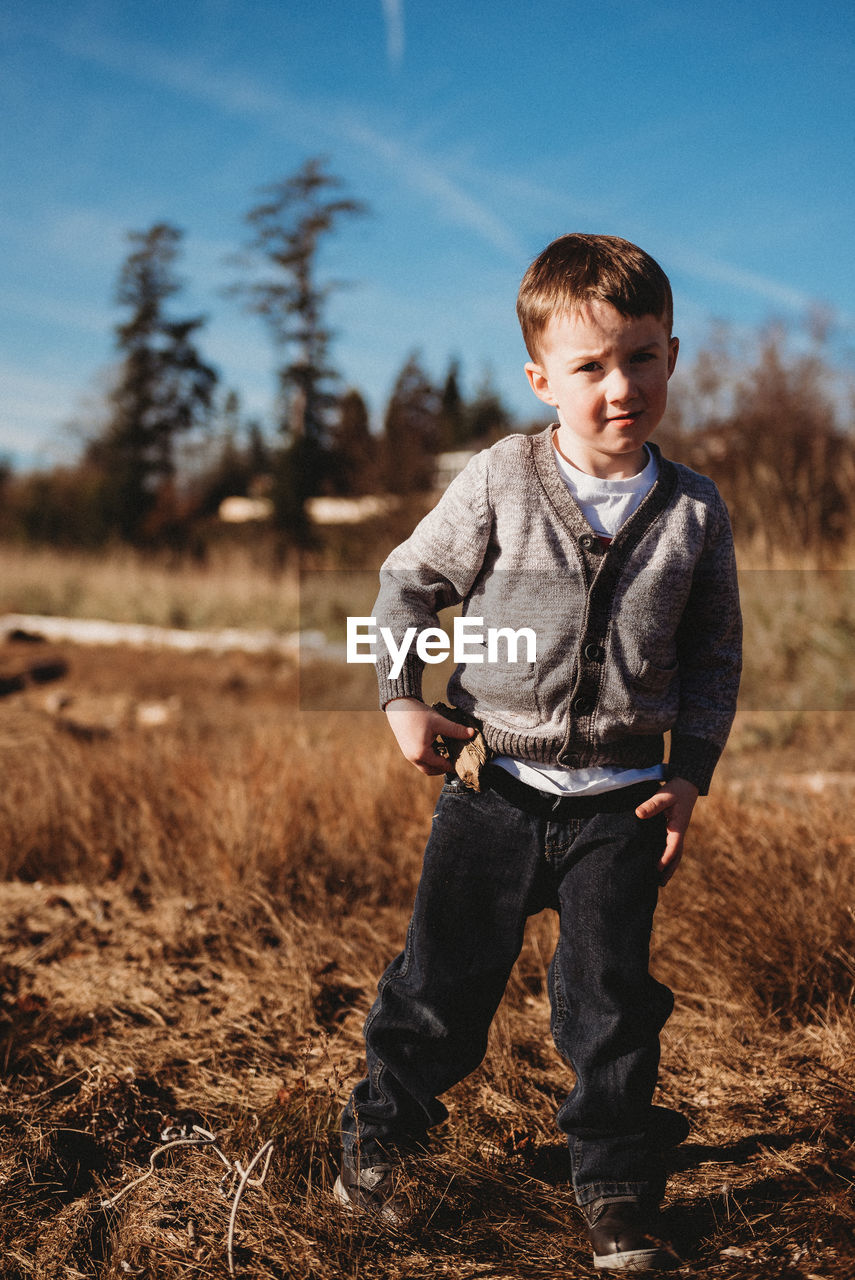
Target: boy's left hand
{"x": 677, "y": 799}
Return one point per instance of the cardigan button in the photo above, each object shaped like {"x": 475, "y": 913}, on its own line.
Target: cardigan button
{"x": 594, "y": 652}
{"x": 583, "y": 706}
{"x": 587, "y": 541}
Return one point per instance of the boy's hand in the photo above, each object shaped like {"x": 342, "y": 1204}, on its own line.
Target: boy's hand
{"x": 677, "y": 799}
{"x": 416, "y": 727}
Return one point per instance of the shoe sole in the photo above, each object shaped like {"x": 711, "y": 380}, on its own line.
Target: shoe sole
{"x": 340, "y": 1195}
{"x": 386, "y": 1215}
{"x": 637, "y": 1260}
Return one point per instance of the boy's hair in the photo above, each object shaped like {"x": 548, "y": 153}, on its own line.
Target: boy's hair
{"x": 579, "y": 268}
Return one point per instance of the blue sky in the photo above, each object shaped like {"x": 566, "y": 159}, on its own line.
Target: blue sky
{"x": 718, "y": 137}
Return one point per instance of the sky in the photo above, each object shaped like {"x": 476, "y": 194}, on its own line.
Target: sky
{"x": 719, "y": 137}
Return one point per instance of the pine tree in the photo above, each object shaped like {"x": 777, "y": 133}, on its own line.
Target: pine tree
{"x": 452, "y": 425}
{"x": 353, "y": 449}
{"x": 487, "y": 418}
{"x": 411, "y": 431}
{"x": 164, "y": 388}
{"x": 227, "y": 475}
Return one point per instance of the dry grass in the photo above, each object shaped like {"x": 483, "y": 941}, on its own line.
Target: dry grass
{"x": 235, "y": 587}
{"x": 799, "y": 615}
{"x": 194, "y": 918}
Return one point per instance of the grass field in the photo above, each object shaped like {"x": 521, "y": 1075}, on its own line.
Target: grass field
{"x": 200, "y": 881}
{"x": 234, "y": 588}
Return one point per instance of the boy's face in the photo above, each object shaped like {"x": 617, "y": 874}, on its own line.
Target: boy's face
{"x": 607, "y": 377}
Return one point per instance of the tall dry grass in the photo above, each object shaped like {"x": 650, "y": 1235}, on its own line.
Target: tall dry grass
{"x": 235, "y": 586}
{"x": 194, "y": 918}
{"x": 799, "y": 614}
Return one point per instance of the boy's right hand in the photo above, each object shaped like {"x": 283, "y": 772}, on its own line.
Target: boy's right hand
{"x": 416, "y": 727}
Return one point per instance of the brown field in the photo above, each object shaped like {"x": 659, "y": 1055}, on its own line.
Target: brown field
{"x": 200, "y": 884}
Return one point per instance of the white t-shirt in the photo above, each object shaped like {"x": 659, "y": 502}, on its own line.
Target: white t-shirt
{"x": 606, "y": 505}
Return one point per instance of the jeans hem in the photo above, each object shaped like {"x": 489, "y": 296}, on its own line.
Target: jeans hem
{"x": 594, "y": 1196}
{"x": 357, "y": 1151}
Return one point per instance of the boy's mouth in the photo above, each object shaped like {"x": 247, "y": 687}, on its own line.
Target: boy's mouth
{"x": 625, "y": 419}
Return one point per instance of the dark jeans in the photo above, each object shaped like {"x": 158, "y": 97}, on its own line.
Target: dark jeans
{"x": 488, "y": 865}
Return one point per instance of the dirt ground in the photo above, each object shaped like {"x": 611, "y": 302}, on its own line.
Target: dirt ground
{"x": 202, "y": 885}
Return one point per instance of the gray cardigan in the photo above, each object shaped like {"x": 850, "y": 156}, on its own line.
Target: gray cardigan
{"x": 633, "y": 640}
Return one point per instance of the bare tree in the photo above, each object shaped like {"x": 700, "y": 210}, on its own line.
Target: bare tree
{"x": 287, "y": 227}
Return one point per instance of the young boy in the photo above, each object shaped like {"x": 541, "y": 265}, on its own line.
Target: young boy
{"x": 622, "y": 564}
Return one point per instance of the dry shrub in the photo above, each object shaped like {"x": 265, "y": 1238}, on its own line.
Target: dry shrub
{"x": 240, "y": 793}
{"x": 761, "y": 914}
{"x": 769, "y": 423}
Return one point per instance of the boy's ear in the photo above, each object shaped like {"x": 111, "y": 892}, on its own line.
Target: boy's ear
{"x": 673, "y": 350}
{"x": 539, "y": 383}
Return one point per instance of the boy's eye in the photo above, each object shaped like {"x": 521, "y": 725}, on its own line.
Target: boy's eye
{"x": 641, "y": 357}
{"x": 590, "y": 367}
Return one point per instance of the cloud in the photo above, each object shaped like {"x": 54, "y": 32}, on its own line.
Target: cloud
{"x": 230, "y": 92}
{"x": 725, "y": 273}
{"x": 236, "y": 95}
{"x": 33, "y": 405}
{"x": 393, "y": 12}
{"x": 427, "y": 176}
{"x": 66, "y": 314}
{"x": 90, "y": 237}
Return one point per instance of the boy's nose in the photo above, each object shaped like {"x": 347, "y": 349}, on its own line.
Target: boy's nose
{"x": 621, "y": 386}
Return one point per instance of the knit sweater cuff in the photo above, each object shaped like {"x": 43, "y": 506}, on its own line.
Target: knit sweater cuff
{"x": 407, "y": 683}
{"x": 694, "y": 759}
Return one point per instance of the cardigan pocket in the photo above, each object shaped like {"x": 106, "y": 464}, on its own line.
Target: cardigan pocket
{"x": 654, "y": 694}
{"x": 505, "y": 693}
{"x": 654, "y": 679}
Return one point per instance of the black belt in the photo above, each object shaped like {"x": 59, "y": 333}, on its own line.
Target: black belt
{"x": 562, "y": 808}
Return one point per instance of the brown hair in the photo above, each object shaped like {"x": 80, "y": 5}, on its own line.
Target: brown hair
{"x": 578, "y": 268}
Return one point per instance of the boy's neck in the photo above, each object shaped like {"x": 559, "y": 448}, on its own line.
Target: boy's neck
{"x": 601, "y": 466}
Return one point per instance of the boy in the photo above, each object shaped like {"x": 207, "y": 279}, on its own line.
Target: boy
{"x": 622, "y": 564}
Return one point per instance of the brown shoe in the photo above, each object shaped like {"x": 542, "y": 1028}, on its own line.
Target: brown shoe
{"x": 624, "y": 1238}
